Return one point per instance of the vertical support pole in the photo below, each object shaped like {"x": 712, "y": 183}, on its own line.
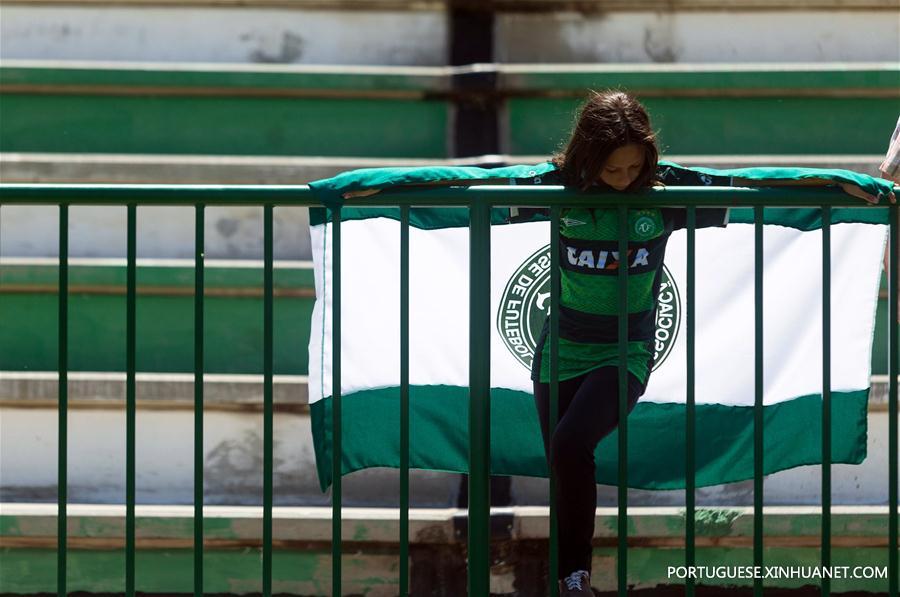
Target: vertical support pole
{"x": 267, "y": 400}
{"x": 758, "y": 403}
{"x": 894, "y": 353}
{"x": 130, "y": 404}
{"x": 63, "y": 412}
{"x": 404, "y": 401}
{"x": 479, "y": 398}
{"x": 553, "y": 573}
{"x": 337, "y": 450}
{"x": 826, "y": 396}
{"x": 690, "y": 485}
{"x": 623, "y": 403}
{"x": 199, "y": 242}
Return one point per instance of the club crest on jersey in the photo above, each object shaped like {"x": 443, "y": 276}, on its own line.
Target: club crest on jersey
{"x": 644, "y": 226}
{"x": 525, "y": 303}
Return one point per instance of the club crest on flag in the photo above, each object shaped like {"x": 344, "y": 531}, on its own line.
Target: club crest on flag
{"x": 525, "y": 303}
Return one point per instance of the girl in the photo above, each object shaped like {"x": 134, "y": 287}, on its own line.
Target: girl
{"x": 612, "y": 147}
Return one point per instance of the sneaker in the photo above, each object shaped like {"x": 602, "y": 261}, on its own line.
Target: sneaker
{"x": 577, "y": 583}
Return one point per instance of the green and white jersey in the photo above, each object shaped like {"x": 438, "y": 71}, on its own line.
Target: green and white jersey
{"x": 588, "y": 245}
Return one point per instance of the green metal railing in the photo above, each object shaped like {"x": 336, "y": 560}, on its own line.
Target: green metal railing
{"x": 479, "y": 200}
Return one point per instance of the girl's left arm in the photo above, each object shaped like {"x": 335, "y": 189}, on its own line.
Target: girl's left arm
{"x": 849, "y": 188}
{"x": 858, "y": 185}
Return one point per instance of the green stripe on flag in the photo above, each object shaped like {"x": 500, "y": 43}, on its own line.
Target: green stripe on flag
{"x": 656, "y": 432}
{"x": 433, "y": 218}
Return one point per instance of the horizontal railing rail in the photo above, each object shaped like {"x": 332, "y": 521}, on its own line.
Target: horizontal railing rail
{"x": 443, "y": 196}
{"x": 478, "y": 199}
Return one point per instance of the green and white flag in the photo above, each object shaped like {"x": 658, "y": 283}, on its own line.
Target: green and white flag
{"x": 520, "y": 287}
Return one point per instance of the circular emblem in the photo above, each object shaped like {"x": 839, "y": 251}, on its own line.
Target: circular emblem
{"x": 525, "y": 304}
{"x": 644, "y": 227}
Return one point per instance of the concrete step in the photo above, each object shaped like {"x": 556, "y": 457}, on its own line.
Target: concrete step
{"x": 437, "y": 547}
{"x": 233, "y": 449}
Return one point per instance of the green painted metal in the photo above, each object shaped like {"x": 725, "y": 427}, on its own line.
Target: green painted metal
{"x": 690, "y": 481}
{"x": 366, "y": 112}
{"x": 165, "y": 337}
{"x": 336, "y": 420}
{"x": 130, "y": 401}
{"x": 404, "y": 401}
{"x": 268, "y": 431}
{"x": 719, "y": 125}
{"x": 199, "y": 245}
{"x": 61, "y": 76}
{"x": 479, "y": 399}
{"x": 553, "y": 568}
{"x": 440, "y": 196}
{"x": 826, "y": 396}
{"x": 479, "y": 421}
{"x": 758, "y": 402}
{"x": 894, "y": 368}
{"x": 62, "y": 460}
{"x": 622, "y": 551}
{"x": 880, "y": 341}
{"x": 180, "y": 278}
{"x": 726, "y": 79}
{"x": 223, "y": 125}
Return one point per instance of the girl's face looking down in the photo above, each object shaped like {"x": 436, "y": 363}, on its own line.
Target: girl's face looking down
{"x": 623, "y": 166}
{"x": 612, "y": 145}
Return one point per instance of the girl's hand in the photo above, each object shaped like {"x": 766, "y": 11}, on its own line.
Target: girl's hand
{"x": 852, "y": 189}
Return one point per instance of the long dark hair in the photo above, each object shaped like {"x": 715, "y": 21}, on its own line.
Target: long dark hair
{"x": 607, "y": 121}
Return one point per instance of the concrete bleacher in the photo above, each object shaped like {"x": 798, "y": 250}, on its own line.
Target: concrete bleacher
{"x": 284, "y": 92}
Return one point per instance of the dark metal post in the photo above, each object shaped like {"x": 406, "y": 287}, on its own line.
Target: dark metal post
{"x": 623, "y": 404}
{"x": 130, "y": 403}
{"x": 63, "y": 412}
{"x": 336, "y": 421}
{"x": 690, "y": 481}
{"x": 553, "y": 571}
{"x": 758, "y": 403}
{"x": 826, "y": 396}
{"x": 199, "y": 242}
{"x": 404, "y": 401}
{"x": 267, "y": 399}
{"x": 479, "y": 398}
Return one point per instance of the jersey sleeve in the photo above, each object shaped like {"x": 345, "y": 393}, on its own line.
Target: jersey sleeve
{"x": 518, "y": 215}
{"x": 707, "y": 217}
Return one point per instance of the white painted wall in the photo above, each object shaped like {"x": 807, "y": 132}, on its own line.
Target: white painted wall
{"x": 233, "y": 466}
{"x": 217, "y": 34}
{"x": 257, "y": 35}
{"x": 233, "y": 456}
{"x": 231, "y": 232}
{"x": 703, "y": 37}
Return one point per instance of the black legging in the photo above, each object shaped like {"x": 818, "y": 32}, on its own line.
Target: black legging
{"x": 588, "y": 411}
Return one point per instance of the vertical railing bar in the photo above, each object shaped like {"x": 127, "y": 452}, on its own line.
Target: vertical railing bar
{"x": 404, "y": 401}
{"x": 479, "y": 397}
{"x": 130, "y": 404}
{"x": 690, "y": 483}
{"x": 623, "y": 404}
{"x": 199, "y": 243}
{"x": 267, "y": 400}
{"x": 893, "y": 297}
{"x": 758, "y": 402}
{"x": 337, "y": 450}
{"x": 63, "y": 413}
{"x": 826, "y": 396}
{"x": 555, "y": 212}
